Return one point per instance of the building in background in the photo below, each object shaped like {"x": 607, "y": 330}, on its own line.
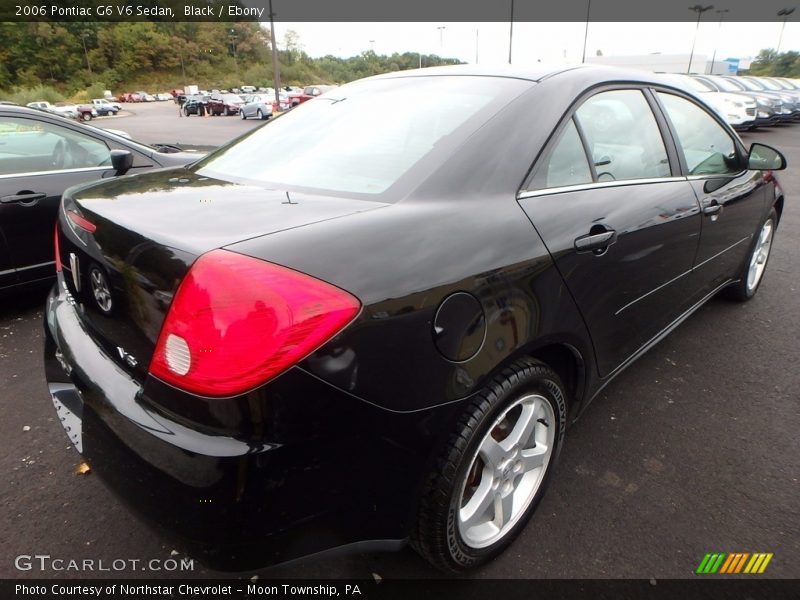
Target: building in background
{"x": 673, "y": 63}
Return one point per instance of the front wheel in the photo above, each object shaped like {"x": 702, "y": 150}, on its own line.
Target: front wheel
{"x": 86, "y": 116}
{"x": 494, "y": 469}
{"x": 753, "y": 269}
{"x": 260, "y": 115}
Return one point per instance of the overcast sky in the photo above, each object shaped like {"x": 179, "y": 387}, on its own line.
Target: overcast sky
{"x": 548, "y": 42}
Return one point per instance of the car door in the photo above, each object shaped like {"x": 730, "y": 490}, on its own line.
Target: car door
{"x": 38, "y": 161}
{"x": 621, "y": 224}
{"x": 732, "y": 198}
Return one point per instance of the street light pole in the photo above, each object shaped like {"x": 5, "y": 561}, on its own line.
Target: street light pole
{"x": 699, "y": 10}
{"x": 511, "y": 32}
{"x": 721, "y": 14}
{"x": 586, "y": 31}
{"x": 276, "y": 72}
{"x": 784, "y": 12}
{"x": 441, "y": 29}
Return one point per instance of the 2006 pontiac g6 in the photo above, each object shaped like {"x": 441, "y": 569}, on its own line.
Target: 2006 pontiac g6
{"x": 380, "y": 333}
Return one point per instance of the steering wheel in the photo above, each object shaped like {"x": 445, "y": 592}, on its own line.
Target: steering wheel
{"x": 60, "y": 155}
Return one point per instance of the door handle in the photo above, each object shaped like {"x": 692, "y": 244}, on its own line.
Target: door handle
{"x": 712, "y": 209}
{"x": 597, "y": 242}
{"x": 23, "y": 198}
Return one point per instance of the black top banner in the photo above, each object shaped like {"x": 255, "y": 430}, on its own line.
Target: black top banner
{"x": 385, "y": 11}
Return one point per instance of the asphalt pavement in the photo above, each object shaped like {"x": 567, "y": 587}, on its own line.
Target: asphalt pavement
{"x": 693, "y": 449}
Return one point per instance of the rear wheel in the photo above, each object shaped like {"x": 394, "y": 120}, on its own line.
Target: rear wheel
{"x": 260, "y": 115}
{"x": 241, "y": 115}
{"x": 86, "y": 116}
{"x": 756, "y": 264}
{"x": 494, "y": 469}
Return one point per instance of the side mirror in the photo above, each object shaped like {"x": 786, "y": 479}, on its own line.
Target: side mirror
{"x": 122, "y": 161}
{"x": 764, "y": 158}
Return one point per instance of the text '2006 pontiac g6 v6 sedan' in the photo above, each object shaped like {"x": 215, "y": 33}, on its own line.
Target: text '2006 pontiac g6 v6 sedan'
{"x": 380, "y": 334}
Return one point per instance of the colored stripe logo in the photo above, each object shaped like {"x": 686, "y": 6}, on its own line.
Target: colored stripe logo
{"x": 734, "y": 563}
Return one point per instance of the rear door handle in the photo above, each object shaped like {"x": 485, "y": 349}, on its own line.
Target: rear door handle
{"x": 24, "y": 198}
{"x": 595, "y": 241}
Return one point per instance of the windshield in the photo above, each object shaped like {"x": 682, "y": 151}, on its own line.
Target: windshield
{"x": 364, "y": 137}
{"x": 726, "y": 85}
{"x": 747, "y": 84}
{"x": 766, "y": 83}
{"x": 697, "y": 85}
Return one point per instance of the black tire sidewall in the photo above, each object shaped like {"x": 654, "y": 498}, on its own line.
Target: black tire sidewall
{"x": 550, "y": 388}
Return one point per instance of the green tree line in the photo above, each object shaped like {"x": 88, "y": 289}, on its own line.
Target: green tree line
{"x": 82, "y": 59}
{"x": 770, "y": 63}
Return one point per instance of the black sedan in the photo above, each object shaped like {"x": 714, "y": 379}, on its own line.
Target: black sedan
{"x": 381, "y": 334}
{"x": 40, "y": 156}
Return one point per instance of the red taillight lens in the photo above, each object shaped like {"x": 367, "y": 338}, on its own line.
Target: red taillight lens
{"x": 57, "y": 249}
{"x": 237, "y": 321}
{"x": 81, "y": 221}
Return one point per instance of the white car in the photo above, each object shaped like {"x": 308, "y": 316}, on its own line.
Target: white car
{"x": 736, "y": 109}
{"x": 163, "y": 97}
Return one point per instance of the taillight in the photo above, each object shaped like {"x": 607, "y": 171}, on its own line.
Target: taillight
{"x": 57, "y": 249}
{"x": 81, "y": 221}
{"x": 237, "y": 321}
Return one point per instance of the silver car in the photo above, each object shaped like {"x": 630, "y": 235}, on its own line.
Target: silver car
{"x": 256, "y": 105}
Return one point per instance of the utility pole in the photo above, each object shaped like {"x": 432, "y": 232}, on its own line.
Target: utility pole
{"x": 721, "y": 14}
{"x": 699, "y": 10}
{"x": 86, "y": 52}
{"x": 477, "y": 32}
{"x": 586, "y": 31}
{"x": 784, "y": 12}
{"x": 511, "y": 32}
{"x": 276, "y": 72}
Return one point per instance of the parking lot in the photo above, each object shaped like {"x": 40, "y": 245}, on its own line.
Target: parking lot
{"x": 693, "y": 449}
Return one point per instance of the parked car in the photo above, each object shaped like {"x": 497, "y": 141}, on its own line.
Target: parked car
{"x": 131, "y": 97}
{"x": 767, "y": 108}
{"x": 783, "y": 104}
{"x": 258, "y": 106}
{"x": 163, "y": 97}
{"x": 311, "y": 91}
{"x": 382, "y": 331}
{"x": 790, "y": 97}
{"x": 225, "y": 104}
{"x": 739, "y": 110}
{"x": 248, "y": 89}
{"x": 104, "y": 107}
{"x": 145, "y": 97}
{"x": 40, "y": 156}
{"x": 192, "y": 104}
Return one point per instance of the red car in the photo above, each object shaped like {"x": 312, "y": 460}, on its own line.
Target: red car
{"x": 312, "y": 91}
{"x": 130, "y": 97}
{"x": 225, "y": 104}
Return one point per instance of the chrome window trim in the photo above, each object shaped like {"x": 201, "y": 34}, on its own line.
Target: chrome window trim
{"x": 716, "y": 175}
{"x": 597, "y": 184}
{"x": 57, "y": 171}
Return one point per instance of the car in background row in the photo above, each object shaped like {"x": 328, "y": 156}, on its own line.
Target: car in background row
{"x": 191, "y": 104}
{"x": 767, "y": 108}
{"x": 786, "y": 107}
{"x": 225, "y": 104}
{"x": 104, "y": 107}
{"x": 381, "y": 332}
{"x": 41, "y": 155}
{"x": 84, "y": 112}
{"x": 309, "y": 92}
{"x": 738, "y": 109}
{"x": 257, "y": 106}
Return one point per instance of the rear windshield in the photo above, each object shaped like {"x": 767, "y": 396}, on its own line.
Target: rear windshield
{"x": 727, "y": 85}
{"x": 365, "y": 137}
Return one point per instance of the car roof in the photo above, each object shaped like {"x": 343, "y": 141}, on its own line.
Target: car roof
{"x": 535, "y": 73}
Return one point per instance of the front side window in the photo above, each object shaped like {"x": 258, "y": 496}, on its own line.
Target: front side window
{"x": 567, "y": 164}
{"x": 623, "y": 137}
{"x": 31, "y": 146}
{"x": 707, "y": 147}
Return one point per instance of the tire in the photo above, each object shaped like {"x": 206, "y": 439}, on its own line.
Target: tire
{"x": 755, "y": 265}
{"x": 86, "y": 117}
{"x": 464, "y": 473}
{"x": 186, "y": 111}
{"x": 242, "y": 115}
{"x": 260, "y": 115}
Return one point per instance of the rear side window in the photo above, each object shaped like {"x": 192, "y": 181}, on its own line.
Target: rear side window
{"x": 566, "y": 164}
{"x": 623, "y": 137}
{"x": 707, "y": 147}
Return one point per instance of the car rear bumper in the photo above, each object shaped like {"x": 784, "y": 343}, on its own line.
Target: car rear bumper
{"x": 238, "y": 502}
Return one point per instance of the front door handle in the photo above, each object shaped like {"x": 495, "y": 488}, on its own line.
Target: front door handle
{"x": 597, "y": 242}
{"x": 23, "y": 198}
{"x": 712, "y": 209}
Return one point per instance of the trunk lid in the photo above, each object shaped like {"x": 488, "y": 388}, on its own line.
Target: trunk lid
{"x": 149, "y": 230}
